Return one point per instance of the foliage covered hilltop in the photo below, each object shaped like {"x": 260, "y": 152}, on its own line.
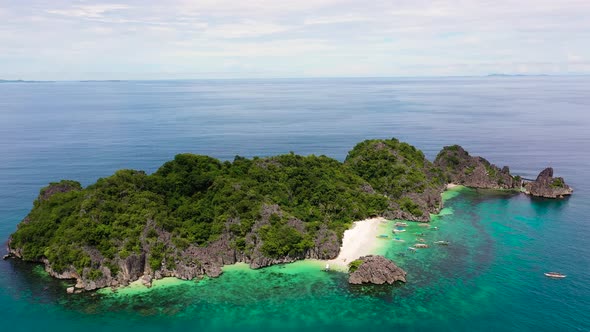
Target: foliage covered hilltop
{"x": 196, "y": 213}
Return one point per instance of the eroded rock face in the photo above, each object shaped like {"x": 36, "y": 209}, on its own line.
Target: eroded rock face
{"x": 376, "y": 270}
{"x": 476, "y": 172}
{"x": 547, "y": 186}
{"x": 192, "y": 262}
{"x": 58, "y": 187}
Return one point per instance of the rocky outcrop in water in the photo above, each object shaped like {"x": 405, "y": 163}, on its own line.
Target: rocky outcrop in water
{"x": 547, "y": 186}
{"x": 460, "y": 168}
{"x": 375, "y": 270}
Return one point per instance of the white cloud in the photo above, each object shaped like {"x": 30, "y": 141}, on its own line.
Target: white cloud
{"x": 88, "y": 11}
{"x": 376, "y": 37}
{"x": 349, "y": 18}
{"x": 280, "y": 48}
{"x": 245, "y": 29}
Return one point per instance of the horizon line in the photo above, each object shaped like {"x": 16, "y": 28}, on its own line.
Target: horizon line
{"x": 292, "y": 78}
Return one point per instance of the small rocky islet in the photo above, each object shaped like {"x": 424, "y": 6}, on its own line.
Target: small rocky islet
{"x": 196, "y": 213}
{"x": 375, "y": 269}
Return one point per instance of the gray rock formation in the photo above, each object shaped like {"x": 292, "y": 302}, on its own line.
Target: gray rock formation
{"x": 547, "y": 186}
{"x": 460, "y": 168}
{"x": 376, "y": 270}
{"x": 192, "y": 262}
{"x": 58, "y": 187}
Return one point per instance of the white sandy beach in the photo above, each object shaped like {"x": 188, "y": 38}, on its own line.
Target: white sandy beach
{"x": 452, "y": 185}
{"x": 359, "y": 241}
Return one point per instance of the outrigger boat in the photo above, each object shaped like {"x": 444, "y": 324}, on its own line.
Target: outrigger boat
{"x": 401, "y": 224}
{"x": 399, "y": 230}
{"x": 412, "y": 249}
{"x": 555, "y": 275}
{"x": 444, "y": 243}
{"x": 383, "y": 236}
{"x": 424, "y": 224}
{"x": 399, "y": 240}
{"x": 420, "y": 245}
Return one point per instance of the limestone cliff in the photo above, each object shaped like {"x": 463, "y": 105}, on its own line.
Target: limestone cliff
{"x": 375, "y": 270}
{"x": 547, "y": 186}
{"x": 476, "y": 172}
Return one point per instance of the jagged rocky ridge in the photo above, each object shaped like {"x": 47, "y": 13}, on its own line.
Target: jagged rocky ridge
{"x": 547, "y": 186}
{"x": 460, "y": 168}
{"x": 375, "y": 270}
{"x": 196, "y": 214}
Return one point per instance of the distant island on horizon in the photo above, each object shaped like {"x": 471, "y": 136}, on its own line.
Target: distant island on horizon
{"x": 285, "y": 78}
{"x": 25, "y": 81}
{"x": 516, "y": 75}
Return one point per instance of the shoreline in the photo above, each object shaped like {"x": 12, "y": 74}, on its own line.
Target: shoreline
{"x": 359, "y": 240}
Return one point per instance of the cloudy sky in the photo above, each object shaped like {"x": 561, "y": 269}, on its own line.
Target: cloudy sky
{"x": 149, "y": 39}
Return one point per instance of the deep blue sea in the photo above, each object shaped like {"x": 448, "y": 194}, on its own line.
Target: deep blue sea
{"x": 490, "y": 278}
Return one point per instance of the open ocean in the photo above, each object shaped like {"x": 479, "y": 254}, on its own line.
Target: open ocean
{"x": 489, "y": 279}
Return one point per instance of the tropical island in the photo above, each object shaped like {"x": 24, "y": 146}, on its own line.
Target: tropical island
{"x": 196, "y": 214}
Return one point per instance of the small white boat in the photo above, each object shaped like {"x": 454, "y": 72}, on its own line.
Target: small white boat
{"x": 420, "y": 245}
{"x": 399, "y": 230}
{"x": 555, "y": 275}
{"x": 443, "y": 243}
{"x": 424, "y": 224}
{"x": 401, "y": 224}
{"x": 411, "y": 249}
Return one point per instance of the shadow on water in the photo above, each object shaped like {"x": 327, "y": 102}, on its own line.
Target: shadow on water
{"x": 385, "y": 293}
{"x": 29, "y": 280}
{"x": 545, "y": 205}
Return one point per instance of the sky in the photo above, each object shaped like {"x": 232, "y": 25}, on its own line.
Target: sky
{"x": 192, "y": 39}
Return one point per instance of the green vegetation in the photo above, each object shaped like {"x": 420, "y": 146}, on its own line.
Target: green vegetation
{"x": 398, "y": 170}
{"x": 275, "y": 207}
{"x": 558, "y": 183}
{"x": 354, "y": 265}
{"x": 195, "y": 199}
{"x": 406, "y": 204}
{"x": 393, "y": 167}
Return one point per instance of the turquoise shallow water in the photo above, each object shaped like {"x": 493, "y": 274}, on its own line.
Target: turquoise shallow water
{"x": 489, "y": 278}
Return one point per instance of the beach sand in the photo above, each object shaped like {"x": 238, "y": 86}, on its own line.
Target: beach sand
{"x": 451, "y": 185}
{"x": 360, "y": 240}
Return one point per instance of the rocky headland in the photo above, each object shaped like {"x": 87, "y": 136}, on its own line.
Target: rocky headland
{"x": 197, "y": 214}
{"x": 460, "y": 168}
{"x": 547, "y": 186}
